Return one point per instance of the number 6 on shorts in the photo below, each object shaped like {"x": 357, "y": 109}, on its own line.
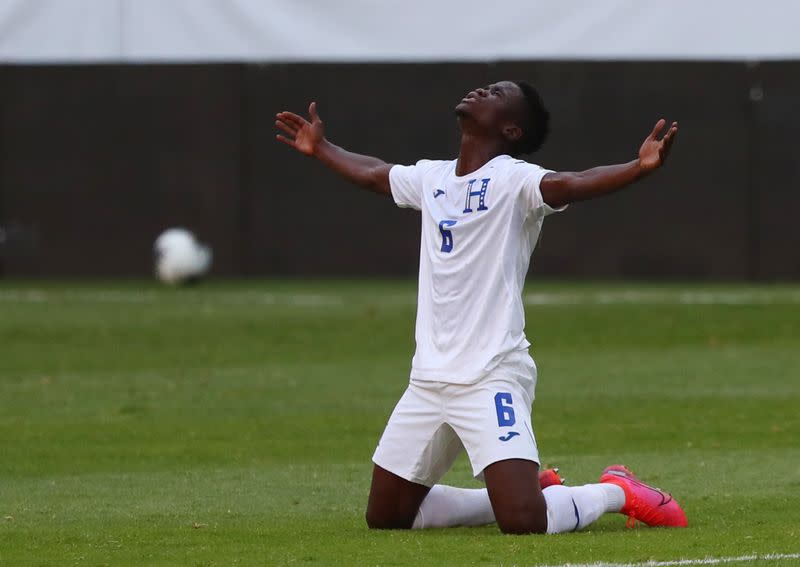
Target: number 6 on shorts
{"x": 505, "y": 413}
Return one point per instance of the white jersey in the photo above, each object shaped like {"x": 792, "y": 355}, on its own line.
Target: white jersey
{"x": 478, "y": 232}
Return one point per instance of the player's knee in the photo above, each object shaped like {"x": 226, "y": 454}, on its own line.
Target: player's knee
{"x": 523, "y": 525}
{"x": 523, "y": 520}
{"x": 378, "y": 521}
{"x": 373, "y": 521}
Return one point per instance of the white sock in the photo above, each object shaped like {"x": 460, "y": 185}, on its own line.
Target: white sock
{"x": 447, "y": 507}
{"x": 571, "y": 508}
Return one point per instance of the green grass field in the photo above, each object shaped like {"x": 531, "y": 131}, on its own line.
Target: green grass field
{"x": 233, "y": 423}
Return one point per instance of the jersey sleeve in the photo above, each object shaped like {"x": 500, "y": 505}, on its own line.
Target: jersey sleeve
{"x": 530, "y": 176}
{"x": 406, "y": 181}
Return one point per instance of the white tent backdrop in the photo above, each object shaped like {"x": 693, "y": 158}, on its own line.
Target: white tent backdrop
{"x": 395, "y": 30}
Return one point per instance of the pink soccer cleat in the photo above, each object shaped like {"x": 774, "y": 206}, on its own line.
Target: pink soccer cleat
{"x": 549, "y": 477}
{"x": 644, "y": 503}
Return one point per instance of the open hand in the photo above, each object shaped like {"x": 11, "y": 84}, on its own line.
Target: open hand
{"x": 302, "y": 135}
{"x": 654, "y": 151}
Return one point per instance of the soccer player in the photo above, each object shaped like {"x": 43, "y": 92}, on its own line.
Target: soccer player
{"x": 472, "y": 379}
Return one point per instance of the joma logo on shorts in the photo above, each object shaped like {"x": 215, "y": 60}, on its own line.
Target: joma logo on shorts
{"x": 511, "y": 434}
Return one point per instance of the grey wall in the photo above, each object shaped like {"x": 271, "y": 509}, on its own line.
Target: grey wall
{"x": 96, "y": 160}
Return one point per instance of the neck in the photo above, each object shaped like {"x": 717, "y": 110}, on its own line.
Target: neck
{"x": 476, "y": 152}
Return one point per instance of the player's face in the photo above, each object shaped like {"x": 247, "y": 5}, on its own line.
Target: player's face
{"x": 492, "y": 107}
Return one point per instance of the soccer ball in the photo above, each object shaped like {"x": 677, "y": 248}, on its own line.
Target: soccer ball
{"x": 180, "y": 258}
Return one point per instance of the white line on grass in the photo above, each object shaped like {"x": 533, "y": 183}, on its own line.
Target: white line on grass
{"x": 745, "y": 297}
{"x": 680, "y": 562}
{"x": 17, "y": 296}
{"x": 97, "y": 296}
{"x": 764, "y": 296}
{"x": 113, "y": 296}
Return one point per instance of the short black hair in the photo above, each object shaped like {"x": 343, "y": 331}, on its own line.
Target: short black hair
{"x": 536, "y": 123}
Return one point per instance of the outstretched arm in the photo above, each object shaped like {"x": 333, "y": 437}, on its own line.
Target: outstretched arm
{"x": 562, "y": 188}
{"x": 309, "y": 138}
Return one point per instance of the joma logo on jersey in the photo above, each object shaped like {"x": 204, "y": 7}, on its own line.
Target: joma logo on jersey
{"x": 479, "y": 193}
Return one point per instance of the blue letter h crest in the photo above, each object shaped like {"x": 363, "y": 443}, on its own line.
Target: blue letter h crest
{"x": 480, "y": 194}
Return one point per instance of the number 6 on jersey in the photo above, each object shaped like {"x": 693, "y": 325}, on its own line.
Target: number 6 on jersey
{"x": 447, "y": 235}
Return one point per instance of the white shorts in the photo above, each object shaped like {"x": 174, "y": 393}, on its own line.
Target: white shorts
{"x": 434, "y": 421}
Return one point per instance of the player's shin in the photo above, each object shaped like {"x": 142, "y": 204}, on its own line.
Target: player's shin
{"x": 570, "y": 508}
{"x": 447, "y": 507}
